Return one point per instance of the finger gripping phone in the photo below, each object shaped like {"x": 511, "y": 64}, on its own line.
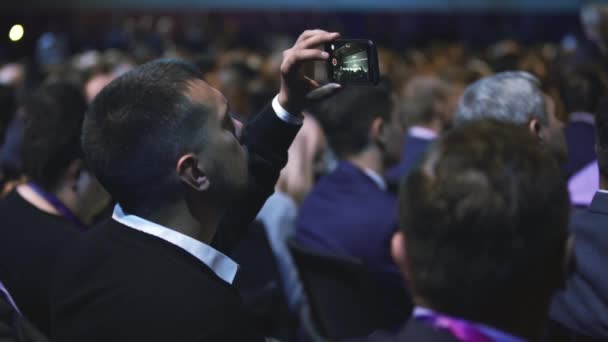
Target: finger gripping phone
{"x": 352, "y": 61}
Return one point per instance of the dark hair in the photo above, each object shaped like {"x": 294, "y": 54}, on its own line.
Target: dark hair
{"x": 8, "y": 105}
{"x": 347, "y": 117}
{"x": 485, "y": 217}
{"x": 136, "y": 129}
{"x": 601, "y": 133}
{"x": 51, "y": 136}
{"x": 582, "y": 88}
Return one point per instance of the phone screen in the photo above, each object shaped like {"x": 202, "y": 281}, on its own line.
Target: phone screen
{"x": 352, "y": 61}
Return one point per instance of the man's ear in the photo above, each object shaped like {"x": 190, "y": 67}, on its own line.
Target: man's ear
{"x": 376, "y": 129}
{"x": 191, "y": 174}
{"x": 399, "y": 254}
{"x": 534, "y": 127}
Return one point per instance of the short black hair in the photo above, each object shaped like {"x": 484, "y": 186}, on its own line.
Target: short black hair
{"x": 136, "y": 129}
{"x": 582, "y": 88}
{"x": 485, "y": 218}
{"x": 51, "y": 138}
{"x": 346, "y": 117}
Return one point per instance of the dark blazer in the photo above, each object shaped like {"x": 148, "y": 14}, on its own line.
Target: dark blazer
{"x": 30, "y": 243}
{"x": 583, "y": 306}
{"x": 348, "y": 214}
{"x": 14, "y": 327}
{"x": 413, "y": 331}
{"x": 119, "y": 284}
{"x": 580, "y": 139}
{"x": 413, "y": 149}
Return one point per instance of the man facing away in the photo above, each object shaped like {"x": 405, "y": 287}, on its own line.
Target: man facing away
{"x": 163, "y": 144}
{"x": 484, "y": 237}
{"x": 582, "y": 307}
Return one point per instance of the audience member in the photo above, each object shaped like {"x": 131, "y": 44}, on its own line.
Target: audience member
{"x": 583, "y": 306}
{"x": 514, "y": 97}
{"x": 484, "y": 236}
{"x": 350, "y": 212}
{"x": 426, "y": 114}
{"x": 41, "y": 217}
{"x": 163, "y": 143}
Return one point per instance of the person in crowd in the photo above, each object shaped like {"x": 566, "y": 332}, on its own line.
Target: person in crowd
{"x": 39, "y": 218}
{"x": 350, "y": 212}
{"x": 581, "y": 91}
{"x": 582, "y": 307}
{"x": 426, "y": 114}
{"x": 514, "y": 97}
{"x": 482, "y": 262}
{"x": 163, "y": 144}
{"x": 594, "y": 19}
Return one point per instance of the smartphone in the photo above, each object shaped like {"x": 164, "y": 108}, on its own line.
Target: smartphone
{"x": 352, "y": 61}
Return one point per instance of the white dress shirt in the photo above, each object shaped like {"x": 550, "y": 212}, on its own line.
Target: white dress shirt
{"x": 376, "y": 178}
{"x": 220, "y": 264}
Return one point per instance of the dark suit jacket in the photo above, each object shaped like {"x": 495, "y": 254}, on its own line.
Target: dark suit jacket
{"x": 413, "y": 331}
{"x": 348, "y": 214}
{"x": 583, "y": 306}
{"x": 580, "y": 139}
{"x": 14, "y": 327}
{"x": 119, "y": 284}
{"x": 30, "y": 243}
{"x": 413, "y": 149}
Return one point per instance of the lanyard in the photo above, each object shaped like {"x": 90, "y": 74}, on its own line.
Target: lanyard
{"x": 64, "y": 211}
{"x": 8, "y": 297}
{"x": 462, "y": 330}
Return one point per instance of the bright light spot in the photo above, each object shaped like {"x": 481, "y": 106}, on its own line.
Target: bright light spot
{"x": 16, "y": 33}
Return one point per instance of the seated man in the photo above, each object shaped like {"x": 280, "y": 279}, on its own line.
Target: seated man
{"x": 582, "y": 307}
{"x": 484, "y": 237}
{"x": 350, "y": 212}
{"x": 162, "y": 142}
{"x": 40, "y": 218}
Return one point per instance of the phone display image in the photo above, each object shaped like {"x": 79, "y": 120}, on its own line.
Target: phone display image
{"x": 352, "y": 61}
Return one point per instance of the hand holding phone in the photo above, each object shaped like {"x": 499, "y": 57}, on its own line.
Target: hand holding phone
{"x": 352, "y": 61}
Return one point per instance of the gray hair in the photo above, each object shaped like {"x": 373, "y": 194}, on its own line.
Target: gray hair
{"x": 513, "y": 96}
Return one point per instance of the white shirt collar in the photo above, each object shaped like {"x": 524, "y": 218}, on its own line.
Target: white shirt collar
{"x": 422, "y": 133}
{"x": 376, "y": 178}
{"x": 582, "y": 117}
{"x": 219, "y": 263}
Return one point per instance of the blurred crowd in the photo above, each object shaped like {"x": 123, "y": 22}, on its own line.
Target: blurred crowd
{"x": 424, "y": 93}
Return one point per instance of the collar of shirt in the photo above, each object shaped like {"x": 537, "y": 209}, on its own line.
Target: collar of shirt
{"x": 220, "y": 264}
{"x": 376, "y": 178}
{"x": 422, "y": 133}
{"x": 603, "y": 191}
{"x": 493, "y": 333}
{"x": 582, "y": 117}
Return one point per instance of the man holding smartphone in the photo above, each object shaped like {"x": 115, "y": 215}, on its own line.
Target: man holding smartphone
{"x": 162, "y": 143}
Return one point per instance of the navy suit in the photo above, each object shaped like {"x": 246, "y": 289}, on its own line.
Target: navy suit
{"x": 413, "y": 149}
{"x": 583, "y": 306}
{"x": 580, "y": 139}
{"x": 347, "y": 213}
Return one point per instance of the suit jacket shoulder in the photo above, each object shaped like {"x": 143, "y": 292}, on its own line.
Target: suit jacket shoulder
{"x": 119, "y": 284}
{"x": 413, "y": 331}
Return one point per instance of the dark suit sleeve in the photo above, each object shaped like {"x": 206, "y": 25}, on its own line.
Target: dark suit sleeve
{"x": 267, "y": 139}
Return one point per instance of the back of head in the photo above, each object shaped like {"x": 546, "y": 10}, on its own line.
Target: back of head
{"x": 485, "y": 221}
{"x": 346, "y": 117}
{"x": 51, "y": 139}
{"x": 136, "y": 129}
{"x": 581, "y": 89}
{"x": 426, "y": 97}
{"x": 510, "y": 96}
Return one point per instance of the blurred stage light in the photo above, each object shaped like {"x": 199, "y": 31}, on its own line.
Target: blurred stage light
{"x": 16, "y": 33}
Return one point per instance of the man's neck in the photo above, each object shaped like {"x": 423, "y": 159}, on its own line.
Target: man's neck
{"x": 35, "y": 199}
{"x": 179, "y": 217}
{"x": 369, "y": 159}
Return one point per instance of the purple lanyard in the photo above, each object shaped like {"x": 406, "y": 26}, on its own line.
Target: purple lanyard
{"x": 462, "y": 330}
{"x": 9, "y": 298}
{"x": 64, "y": 211}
